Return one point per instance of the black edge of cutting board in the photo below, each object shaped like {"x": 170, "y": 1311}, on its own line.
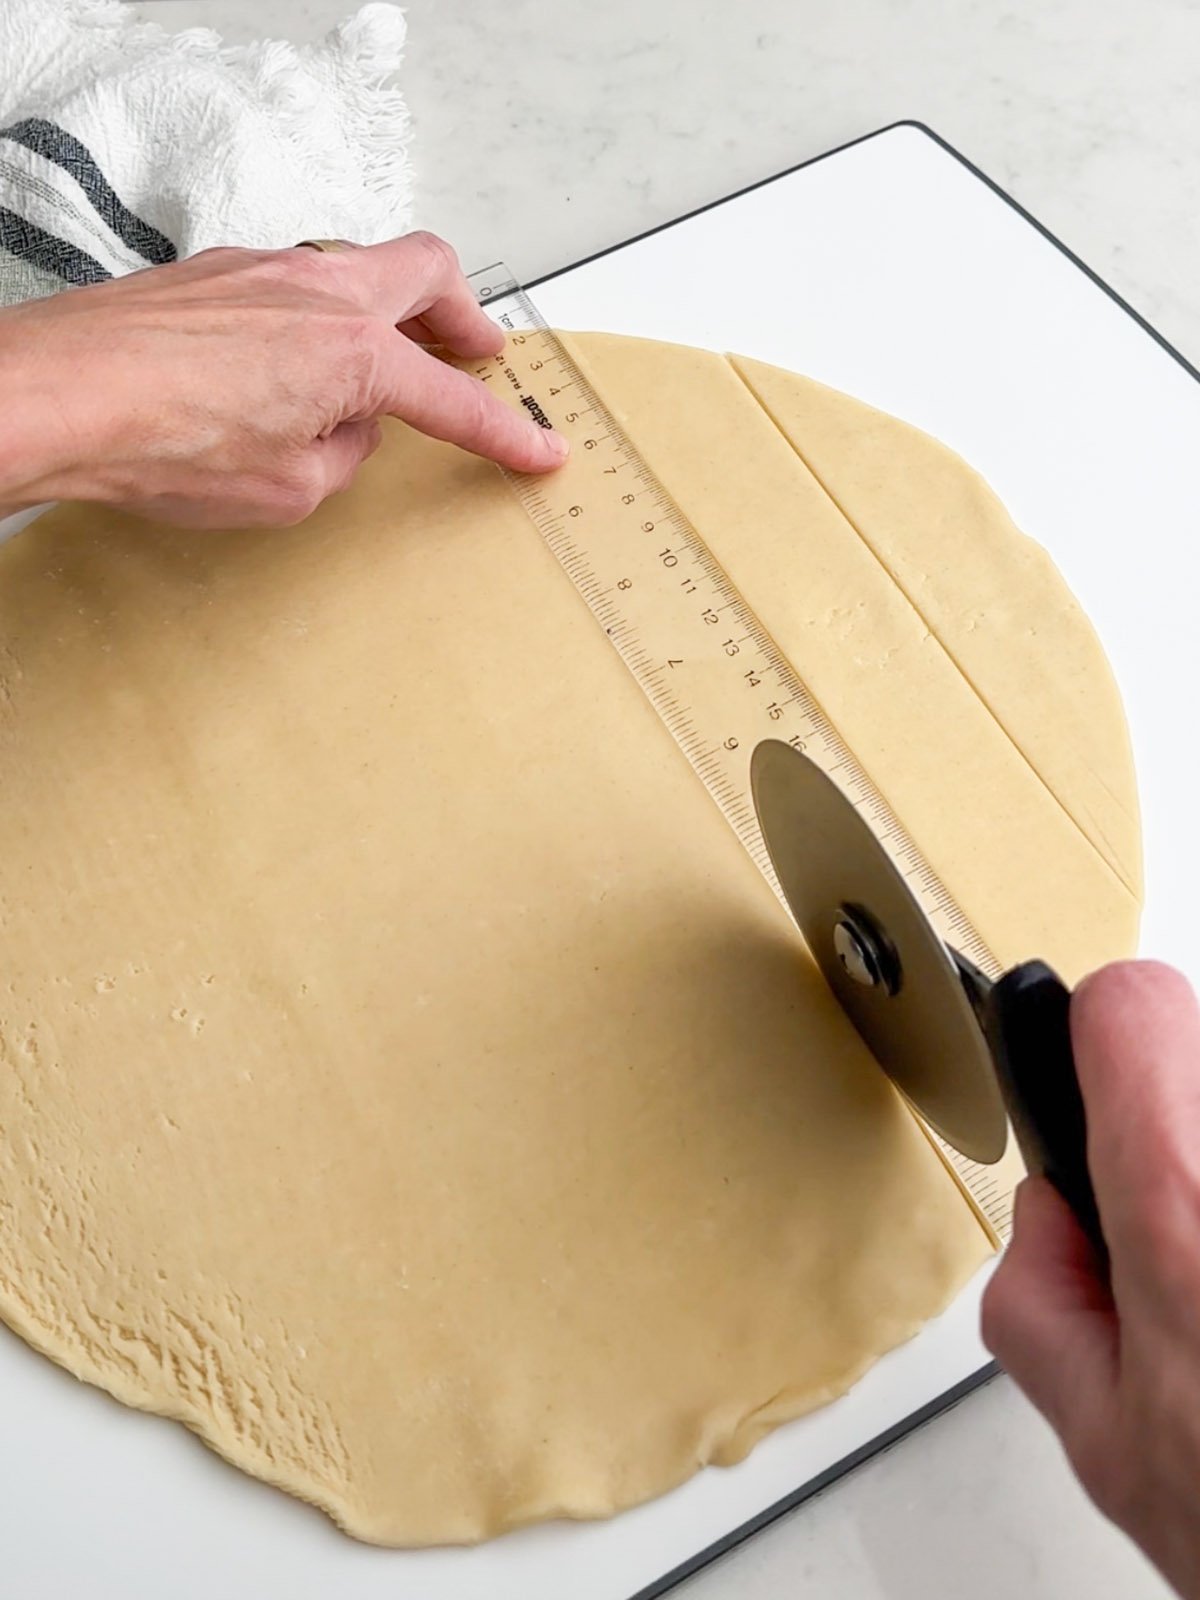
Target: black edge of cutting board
{"x": 873, "y": 1447}
{"x": 921, "y": 127}
{"x": 951, "y": 1397}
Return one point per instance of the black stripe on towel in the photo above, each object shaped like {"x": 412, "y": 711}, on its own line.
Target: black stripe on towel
{"x": 49, "y": 140}
{"x": 64, "y": 260}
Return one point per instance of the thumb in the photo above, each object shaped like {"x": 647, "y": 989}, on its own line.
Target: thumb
{"x": 1048, "y": 1316}
{"x": 344, "y": 450}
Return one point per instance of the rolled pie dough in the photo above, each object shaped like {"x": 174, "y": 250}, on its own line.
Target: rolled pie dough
{"x": 407, "y": 1081}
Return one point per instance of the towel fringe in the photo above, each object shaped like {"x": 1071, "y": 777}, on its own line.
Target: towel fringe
{"x": 239, "y": 141}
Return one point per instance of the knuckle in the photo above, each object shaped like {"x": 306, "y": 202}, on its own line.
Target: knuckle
{"x": 309, "y": 267}
{"x": 486, "y": 418}
{"x": 365, "y": 341}
{"x": 372, "y": 440}
{"x": 220, "y": 255}
{"x": 366, "y": 448}
{"x": 991, "y": 1311}
{"x": 289, "y": 269}
{"x": 219, "y": 263}
{"x": 996, "y": 1313}
{"x": 1137, "y": 979}
{"x": 435, "y": 247}
{"x": 298, "y": 495}
{"x": 481, "y": 411}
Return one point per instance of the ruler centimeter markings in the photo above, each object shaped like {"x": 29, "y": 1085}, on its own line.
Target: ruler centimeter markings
{"x": 712, "y": 671}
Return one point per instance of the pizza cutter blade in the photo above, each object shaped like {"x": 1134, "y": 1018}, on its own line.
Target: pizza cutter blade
{"x": 968, "y": 1054}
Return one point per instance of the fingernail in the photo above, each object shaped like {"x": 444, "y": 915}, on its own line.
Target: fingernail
{"x": 558, "y": 446}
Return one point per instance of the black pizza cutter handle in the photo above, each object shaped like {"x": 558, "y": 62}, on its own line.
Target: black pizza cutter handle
{"x": 1026, "y": 1016}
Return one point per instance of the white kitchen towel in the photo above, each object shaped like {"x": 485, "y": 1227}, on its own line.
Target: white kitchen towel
{"x": 123, "y": 146}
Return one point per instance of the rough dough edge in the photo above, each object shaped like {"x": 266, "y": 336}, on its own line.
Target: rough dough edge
{"x": 723, "y": 1450}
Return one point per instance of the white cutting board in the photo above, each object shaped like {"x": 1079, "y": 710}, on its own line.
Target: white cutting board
{"x": 889, "y": 270}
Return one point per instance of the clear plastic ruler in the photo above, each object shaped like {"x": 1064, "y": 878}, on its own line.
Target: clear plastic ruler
{"x": 702, "y": 657}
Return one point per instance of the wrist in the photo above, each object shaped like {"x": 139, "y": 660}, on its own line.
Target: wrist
{"x": 42, "y": 452}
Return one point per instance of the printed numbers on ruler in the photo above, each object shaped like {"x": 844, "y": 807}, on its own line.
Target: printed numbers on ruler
{"x": 711, "y": 671}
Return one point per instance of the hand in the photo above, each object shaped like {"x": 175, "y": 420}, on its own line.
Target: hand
{"x": 1115, "y": 1367}
{"x": 242, "y": 387}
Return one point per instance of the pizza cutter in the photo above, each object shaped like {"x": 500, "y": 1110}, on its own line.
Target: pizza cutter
{"x": 969, "y": 1054}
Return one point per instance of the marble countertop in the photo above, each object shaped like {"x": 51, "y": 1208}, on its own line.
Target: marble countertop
{"x": 1088, "y": 113}
{"x": 547, "y": 132}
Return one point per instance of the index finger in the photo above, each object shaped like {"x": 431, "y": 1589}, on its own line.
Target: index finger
{"x": 1135, "y": 1029}
{"x": 451, "y": 405}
